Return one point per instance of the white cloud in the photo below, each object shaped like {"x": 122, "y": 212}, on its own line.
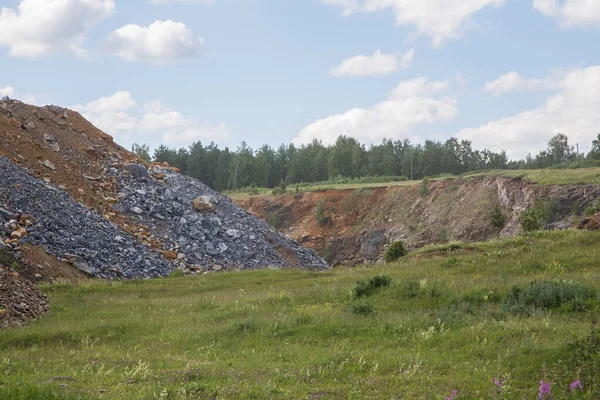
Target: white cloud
{"x": 441, "y": 20}
{"x": 378, "y": 64}
{"x": 119, "y": 113}
{"x": 112, "y": 113}
{"x": 39, "y": 28}
{"x": 513, "y": 81}
{"x": 177, "y": 128}
{"x": 411, "y": 103}
{"x": 573, "y": 111}
{"x": 7, "y": 91}
{"x": 13, "y": 93}
{"x": 160, "y": 42}
{"x": 570, "y": 13}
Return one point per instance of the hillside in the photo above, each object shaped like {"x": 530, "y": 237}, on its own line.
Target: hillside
{"x": 69, "y": 192}
{"x": 360, "y": 223}
{"x": 453, "y": 318}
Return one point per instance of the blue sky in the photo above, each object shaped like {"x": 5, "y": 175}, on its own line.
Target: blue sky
{"x": 505, "y": 74}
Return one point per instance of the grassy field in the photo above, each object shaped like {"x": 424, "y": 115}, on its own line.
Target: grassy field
{"x": 445, "y": 323}
{"x": 540, "y": 176}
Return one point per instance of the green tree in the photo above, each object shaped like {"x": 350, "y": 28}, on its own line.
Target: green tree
{"x": 143, "y": 151}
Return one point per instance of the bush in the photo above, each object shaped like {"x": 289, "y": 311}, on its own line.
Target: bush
{"x": 536, "y": 217}
{"x": 570, "y": 296}
{"x": 395, "y": 251}
{"x": 365, "y": 288}
{"x": 497, "y": 218}
{"x": 361, "y": 307}
{"x": 424, "y": 187}
{"x": 274, "y": 220}
{"x": 177, "y": 273}
{"x": 322, "y": 219}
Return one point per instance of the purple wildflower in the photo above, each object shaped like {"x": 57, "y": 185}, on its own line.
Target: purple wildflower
{"x": 453, "y": 395}
{"x": 545, "y": 390}
{"x": 499, "y": 382}
{"x": 576, "y": 385}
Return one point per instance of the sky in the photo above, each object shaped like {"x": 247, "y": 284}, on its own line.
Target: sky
{"x": 504, "y": 74}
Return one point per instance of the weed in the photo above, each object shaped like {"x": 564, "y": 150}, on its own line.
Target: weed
{"x": 361, "y": 307}
{"x": 424, "y": 189}
{"x": 365, "y": 288}
{"x": 177, "y": 273}
{"x": 570, "y": 296}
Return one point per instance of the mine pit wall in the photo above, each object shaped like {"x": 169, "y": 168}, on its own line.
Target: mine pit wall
{"x": 363, "y": 222}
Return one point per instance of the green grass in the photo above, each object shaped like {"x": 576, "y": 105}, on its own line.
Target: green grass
{"x": 549, "y": 176}
{"x": 441, "y": 325}
{"x": 540, "y": 176}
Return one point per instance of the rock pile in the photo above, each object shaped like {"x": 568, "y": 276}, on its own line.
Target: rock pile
{"x": 68, "y": 230}
{"x": 20, "y": 300}
{"x": 591, "y": 224}
{"x": 203, "y": 230}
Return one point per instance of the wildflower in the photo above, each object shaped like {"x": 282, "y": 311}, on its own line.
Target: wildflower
{"x": 499, "y": 382}
{"x": 545, "y": 390}
{"x": 453, "y": 395}
{"x": 576, "y": 385}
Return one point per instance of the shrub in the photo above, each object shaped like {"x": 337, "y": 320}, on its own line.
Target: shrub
{"x": 177, "y": 273}
{"x": 424, "y": 187}
{"x": 550, "y": 294}
{"x": 395, "y": 251}
{"x": 410, "y": 288}
{"x": 365, "y": 288}
{"x": 529, "y": 221}
{"x": 497, "y": 218}
{"x": 322, "y": 219}
{"x": 443, "y": 235}
{"x": 537, "y": 216}
{"x": 361, "y": 307}
{"x": 273, "y": 220}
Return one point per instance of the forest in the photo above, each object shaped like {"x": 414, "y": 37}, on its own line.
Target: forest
{"x": 224, "y": 169}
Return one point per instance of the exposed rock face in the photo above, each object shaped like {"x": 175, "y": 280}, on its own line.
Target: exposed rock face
{"x": 364, "y": 222}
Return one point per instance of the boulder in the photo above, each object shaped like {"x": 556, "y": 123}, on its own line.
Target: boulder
{"x": 204, "y": 204}
{"x": 138, "y": 171}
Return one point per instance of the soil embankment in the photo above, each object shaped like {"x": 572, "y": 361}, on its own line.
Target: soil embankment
{"x": 359, "y": 224}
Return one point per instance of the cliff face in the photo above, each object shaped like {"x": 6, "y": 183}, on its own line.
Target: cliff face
{"x": 363, "y": 222}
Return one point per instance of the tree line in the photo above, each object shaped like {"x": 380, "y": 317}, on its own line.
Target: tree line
{"x": 224, "y": 169}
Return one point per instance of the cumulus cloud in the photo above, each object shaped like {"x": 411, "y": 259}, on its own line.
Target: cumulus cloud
{"x": 413, "y": 102}
{"x": 441, "y": 20}
{"x": 572, "y": 110}
{"x": 160, "y": 42}
{"x": 39, "y": 28}
{"x": 513, "y": 81}
{"x": 570, "y": 13}
{"x": 7, "y": 91}
{"x": 378, "y": 64}
{"x": 120, "y": 115}
{"x": 13, "y": 93}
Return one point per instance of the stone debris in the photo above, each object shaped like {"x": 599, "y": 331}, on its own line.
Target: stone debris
{"x": 182, "y": 224}
{"x": 20, "y": 300}
{"x": 68, "y": 230}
